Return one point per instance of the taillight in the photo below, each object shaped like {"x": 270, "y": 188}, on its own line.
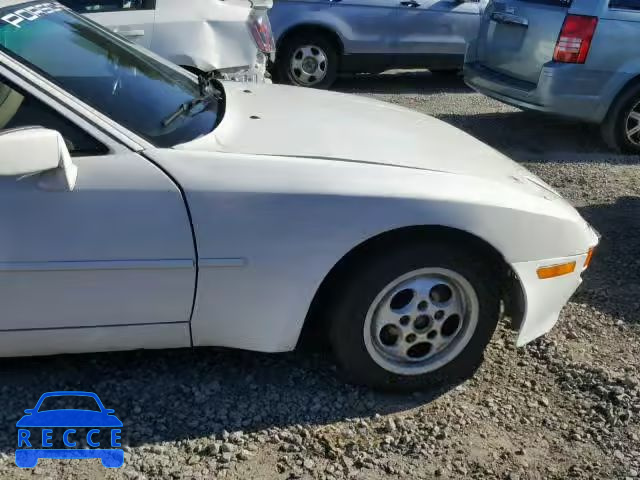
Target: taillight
{"x": 260, "y": 29}
{"x": 575, "y": 39}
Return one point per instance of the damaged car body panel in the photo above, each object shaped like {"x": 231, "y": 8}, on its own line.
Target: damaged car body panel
{"x": 211, "y": 35}
{"x": 205, "y": 35}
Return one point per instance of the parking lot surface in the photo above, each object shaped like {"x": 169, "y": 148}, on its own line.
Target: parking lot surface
{"x": 567, "y": 406}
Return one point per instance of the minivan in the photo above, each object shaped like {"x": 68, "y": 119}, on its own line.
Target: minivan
{"x": 575, "y": 58}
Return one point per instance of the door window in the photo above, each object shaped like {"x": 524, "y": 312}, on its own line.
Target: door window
{"x": 97, "y": 6}
{"x": 20, "y": 109}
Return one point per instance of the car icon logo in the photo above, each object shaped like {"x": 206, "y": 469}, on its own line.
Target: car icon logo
{"x": 44, "y": 426}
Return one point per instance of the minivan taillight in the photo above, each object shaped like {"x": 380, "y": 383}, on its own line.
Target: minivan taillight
{"x": 260, "y": 29}
{"x": 575, "y": 39}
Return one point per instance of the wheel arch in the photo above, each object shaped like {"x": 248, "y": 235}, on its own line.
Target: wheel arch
{"x": 513, "y": 293}
{"x": 625, "y": 88}
{"x": 320, "y": 28}
{"x": 609, "y": 123}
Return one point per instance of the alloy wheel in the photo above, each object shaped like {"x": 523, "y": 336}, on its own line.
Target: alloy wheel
{"x": 309, "y": 65}
{"x": 632, "y": 125}
{"x": 421, "y": 321}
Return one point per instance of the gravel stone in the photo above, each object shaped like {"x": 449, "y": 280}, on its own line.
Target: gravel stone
{"x": 244, "y": 455}
{"x": 227, "y": 447}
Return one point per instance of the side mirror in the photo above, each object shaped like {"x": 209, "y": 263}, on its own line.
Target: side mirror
{"x": 29, "y": 411}
{"x": 28, "y": 151}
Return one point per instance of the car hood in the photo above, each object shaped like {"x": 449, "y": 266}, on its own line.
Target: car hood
{"x": 69, "y": 418}
{"x": 277, "y": 120}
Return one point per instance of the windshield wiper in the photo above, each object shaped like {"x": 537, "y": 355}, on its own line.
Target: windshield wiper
{"x": 207, "y": 83}
{"x": 184, "y": 109}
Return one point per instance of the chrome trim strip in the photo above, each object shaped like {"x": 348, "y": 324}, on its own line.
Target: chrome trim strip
{"x": 89, "y": 265}
{"x": 222, "y": 262}
{"x": 91, "y": 327}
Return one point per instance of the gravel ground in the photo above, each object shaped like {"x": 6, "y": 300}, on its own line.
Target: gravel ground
{"x": 567, "y": 406}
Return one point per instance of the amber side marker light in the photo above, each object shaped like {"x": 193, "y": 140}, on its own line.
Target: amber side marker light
{"x": 556, "y": 270}
{"x": 587, "y": 262}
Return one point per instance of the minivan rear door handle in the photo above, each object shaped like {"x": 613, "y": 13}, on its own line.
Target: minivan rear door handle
{"x": 410, "y": 3}
{"x": 509, "y": 19}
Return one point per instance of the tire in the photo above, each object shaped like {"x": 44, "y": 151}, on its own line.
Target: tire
{"x": 319, "y": 47}
{"x": 614, "y": 128}
{"x": 352, "y": 320}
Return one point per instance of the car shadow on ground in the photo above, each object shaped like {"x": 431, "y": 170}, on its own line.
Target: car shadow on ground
{"x": 186, "y": 394}
{"x": 612, "y": 284}
{"x": 421, "y": 82}
{"x": 521, "y": 133}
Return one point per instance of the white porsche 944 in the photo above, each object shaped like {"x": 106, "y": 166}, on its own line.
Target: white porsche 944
{"x": 142, "y": 207}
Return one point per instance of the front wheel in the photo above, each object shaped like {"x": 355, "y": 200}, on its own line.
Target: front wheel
{"x": 308, "y": 60}
{"x": 416, "y": 317}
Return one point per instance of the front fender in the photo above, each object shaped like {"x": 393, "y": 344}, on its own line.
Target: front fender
{"x": 269, "y": 230}
{"x": 288, "y": 16}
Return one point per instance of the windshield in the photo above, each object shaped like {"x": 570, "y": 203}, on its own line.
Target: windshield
{"x": 112, "y": 76}
{"x": 69, "y": 402}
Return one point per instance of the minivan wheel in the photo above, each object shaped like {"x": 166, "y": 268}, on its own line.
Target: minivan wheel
{"x": 308, "y": 60}
{"x": 621, "y": 128}
{"x": 415, "y": 317}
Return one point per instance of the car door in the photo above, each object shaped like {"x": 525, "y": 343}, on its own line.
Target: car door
{"x": 117, "y": 250}
{"x": 366, "y": 26}
{"x": 133, "y": 19}
{"x": 435, "y": 32}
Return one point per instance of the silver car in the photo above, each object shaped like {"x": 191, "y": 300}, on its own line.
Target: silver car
{"x": 577, "y": 59}
{"x": 317, "y": 39}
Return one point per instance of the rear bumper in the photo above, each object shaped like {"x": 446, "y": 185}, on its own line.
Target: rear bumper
{"x": 544, "y": 299}
{"x": 562, "y": 89}
{"x": 256, "y": 72}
